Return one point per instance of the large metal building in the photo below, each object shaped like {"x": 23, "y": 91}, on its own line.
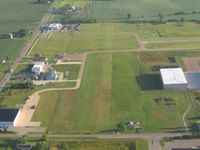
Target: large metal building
{"x": 173, "y": 78}
{"x": 9, "y": 117}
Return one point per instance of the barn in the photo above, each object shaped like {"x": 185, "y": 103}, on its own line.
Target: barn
{"x": 9, "y": 117}
{"x": 173, "y": 78}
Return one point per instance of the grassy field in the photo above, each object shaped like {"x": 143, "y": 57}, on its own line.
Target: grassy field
{"x": 168, "y": 31}
{"x": 72, "y": 69}
{"x": 143, "y": 9}
{"x": 110, "y": 93}
{"x": 93, "y": 37}
{"x": 14, "y": 97}
{"x": 82, "y": 144}
{"x": 191, "y": 44}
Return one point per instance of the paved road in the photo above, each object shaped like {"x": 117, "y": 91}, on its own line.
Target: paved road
{"x": 26, "y": 48}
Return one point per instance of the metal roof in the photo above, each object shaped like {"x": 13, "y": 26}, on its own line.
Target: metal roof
{"x": 173, "y": 76}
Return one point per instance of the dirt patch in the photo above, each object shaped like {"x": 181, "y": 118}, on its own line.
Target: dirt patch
{"x": 192, "y": 64}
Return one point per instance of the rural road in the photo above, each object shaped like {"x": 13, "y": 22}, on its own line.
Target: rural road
{"x": 26, "y": 48}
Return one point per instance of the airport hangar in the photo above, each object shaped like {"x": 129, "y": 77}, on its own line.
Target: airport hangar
{"x": 175, "y": 78}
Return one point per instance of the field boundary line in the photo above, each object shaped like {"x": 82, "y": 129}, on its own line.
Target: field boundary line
{"x": 32, "y": 47}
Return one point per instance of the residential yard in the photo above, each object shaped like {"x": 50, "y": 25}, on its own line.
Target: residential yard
{"x": 110, "y": 93}
{"x": 100, "y": 37}
{"x": 73, "y": 71}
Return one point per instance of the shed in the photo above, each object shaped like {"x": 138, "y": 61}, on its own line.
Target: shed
{"x": 173, "y": 78}
{"x": 51, "y": 75}
{"x": 9, "y": 117}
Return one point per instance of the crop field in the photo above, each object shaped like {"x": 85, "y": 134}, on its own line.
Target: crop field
{"x": 116, "y": 11}
{"x": 93, "y": 37}
{"x": 111, "y": 92}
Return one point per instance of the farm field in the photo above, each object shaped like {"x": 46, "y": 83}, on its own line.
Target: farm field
{"x": 99, "y": 37}
{"x": 116, "y": 11}
{"x": 110, "y": 92}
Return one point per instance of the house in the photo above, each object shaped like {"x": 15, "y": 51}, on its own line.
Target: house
{"x": 9, "y": 117}
{"x": 38, "y": 68}
{"x": 51, "y": 75}
{"x": 173, "y": 78}
{"x": 55, "y": 26}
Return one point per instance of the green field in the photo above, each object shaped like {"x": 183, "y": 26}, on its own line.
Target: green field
{"x": 110, "y": 93}
{"x": 73, "y": 70}
{"x": 116, "y": 11}
{"x": 92, "y": 38}
{"x": 81, "y": 144}
{"x": 191, "y": 44}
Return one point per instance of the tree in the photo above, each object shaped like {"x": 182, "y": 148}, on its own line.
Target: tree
{"x": 128, "y": 17}
{"x": 41, "y": 146}
{"x": 161, "y": 16}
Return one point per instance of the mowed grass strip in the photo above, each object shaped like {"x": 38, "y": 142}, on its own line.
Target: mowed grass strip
{"x": 86, "y": 40}
{"x": 109, "y": 93}
{"x": 186, "y": 44}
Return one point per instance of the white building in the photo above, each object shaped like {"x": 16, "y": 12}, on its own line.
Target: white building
{"x": 173, "y": 78}
{"x": 38, "y": 67}
{"x": 9, "y": 117}
{"x": 55, "y": 26}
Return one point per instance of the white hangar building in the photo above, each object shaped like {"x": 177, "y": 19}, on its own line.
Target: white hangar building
{"x": 173, "y": 78}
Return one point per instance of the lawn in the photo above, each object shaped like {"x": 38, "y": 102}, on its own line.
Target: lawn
{"x": 110, "y": 93}
{"x": 92, "y": 38}
{"x": 116, "y": 11}
{"x": 72, "y": 69}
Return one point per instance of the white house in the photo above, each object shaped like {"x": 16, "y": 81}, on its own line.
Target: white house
{"x": 38, "y": 67}
{"x": 173, "y": 78}
{"x": 55, "y": 26}
{"x": 9, "y": 117}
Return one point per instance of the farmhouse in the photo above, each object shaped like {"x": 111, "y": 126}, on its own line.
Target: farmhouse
{"x": 55, "y": 26}
{"x": 9, "y": 117}
{"x": 38, "y": 68}
{"x": 173, "y": 78}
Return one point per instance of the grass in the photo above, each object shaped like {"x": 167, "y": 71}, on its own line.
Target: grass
{"x": 100, "y": 37}
{"x": 115, "y": 11}
{"x": 16, "y": 97}
{"x": 72, "y": 69}
{"x": 191, "y": 44}
{"x": 83, "y": 144}
{"x": 168, "y": 31}
{"x": 4, "y": 68}
{"x": 9, "y": 48}
{"x": 109, "y": 93}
